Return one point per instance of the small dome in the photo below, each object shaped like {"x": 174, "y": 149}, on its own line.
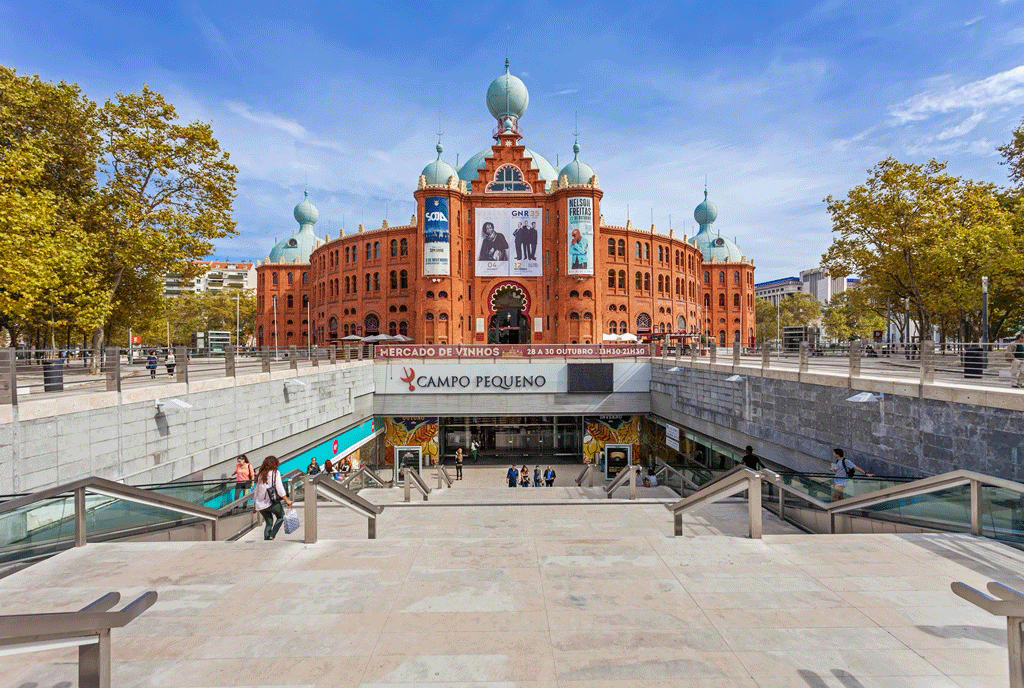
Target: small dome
{"x": 577, "y": 172}
{"x": 439, "y": 171}
{"x": 305, "y": 213}
{"x": 507, "y": 96}
{"x": 705, "y": 213}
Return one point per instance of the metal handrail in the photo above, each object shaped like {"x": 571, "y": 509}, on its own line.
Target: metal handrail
{"x": 682, "y": 476}
{"x": 412, "y": 477}
{"x": 442, "y": 474}
{"x": 89, "y": 629}
{"x": 588, "y": 471}
{"x": 737, "y": 480}
{"x": 625, "y": 475}
{"x": 325, "y": 486}
{"x": 1009, "y": 603}
{"x": 368, "y": 472}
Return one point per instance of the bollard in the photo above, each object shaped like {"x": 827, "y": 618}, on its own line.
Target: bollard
{"x": 766, "y": 356}
{"x": 112, "y": 368}
{"x": 713, "y": 352}
{"x": 736, "y": 354}
{"x": 855, "y": 359}
{"x": 314, "y": 357}
{"x": 803, "y": 356}
{"x": 927, "y": 362}
{"x": 293, "y": 357}
{"x": 334, "y": 354}
{"x": 8, "y": 377}
{"x": 265, "y": 356}
{"x": 229, "y": 361}
{"x": 181, "y": 364}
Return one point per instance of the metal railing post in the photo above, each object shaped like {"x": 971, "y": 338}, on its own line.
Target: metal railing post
{"x": 314, "y": 357}
{"x": 713, "y": 352}
{"x": 766, "y": 356}
{"x": 8, "y": 377}
{"x": 334, "y": 354}
{"x": 229, "y": 361}
{"x": 975, "y": 507}
{"x": 927, "y": 362}
{"x": 181, "y": 364}
{"x": 679, "y": 350}
{"x": 265, "y": 358}
{"x": 693, "y": 354}
{"x": 855, "y": 359}
{"x": 80, "y": 528}
{"x": 309, "y": 509}
{"x": 803, "y": 357}
{"x": 754, "y": 507}
{"x": 632, "y": 484}
{"x": 112, "y": 368}
{"x": 293, "y": 357}
{"x": 408, "y": 487}
{"x": 371, "y": 528}
{"x": 94, "y": 662}
{"x": 735, "y": 354}
{"x": 678, "y": 523}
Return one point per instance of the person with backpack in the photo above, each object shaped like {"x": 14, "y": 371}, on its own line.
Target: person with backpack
{"x": 844, "y": 470}
{"x": 268, "y": 495}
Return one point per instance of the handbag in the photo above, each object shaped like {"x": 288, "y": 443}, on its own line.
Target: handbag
{"x": 272, "y": 489}
{"x": 291, "y": 521}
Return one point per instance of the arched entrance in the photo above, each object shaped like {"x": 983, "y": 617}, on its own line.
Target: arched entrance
{"x": 510, "y": 308}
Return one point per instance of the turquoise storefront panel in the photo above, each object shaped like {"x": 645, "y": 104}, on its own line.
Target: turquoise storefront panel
{"x": 334, "y": 448}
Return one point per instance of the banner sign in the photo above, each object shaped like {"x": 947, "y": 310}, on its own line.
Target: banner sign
{"x": 512, "y": 351}
{"x": 672, "y": 437}
{"x": 507, "y": 241}
{"x": 581, "y": 236}
{"x": 436, "y": 242}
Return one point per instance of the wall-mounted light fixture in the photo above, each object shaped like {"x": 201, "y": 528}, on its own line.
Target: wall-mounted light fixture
{"x": 735, "y": 378}
{"x": 293, "y": 385}
{"x": 864, "y": 397}
{"x": 163, "y": 405}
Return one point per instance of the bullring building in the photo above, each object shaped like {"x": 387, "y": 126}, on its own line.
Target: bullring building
{"x": 505, "y": 249}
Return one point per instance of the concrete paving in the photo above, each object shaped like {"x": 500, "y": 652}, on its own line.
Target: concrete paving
{"x": 584, "y": 594}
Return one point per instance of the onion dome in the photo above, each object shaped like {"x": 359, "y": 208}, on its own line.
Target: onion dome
{"x": 439, "y": 171}
{"x": 576, "y": 171}
{"x": 507, "y": 96}
{"x": 298, "y": 248}
{"x": 716, "y": 249}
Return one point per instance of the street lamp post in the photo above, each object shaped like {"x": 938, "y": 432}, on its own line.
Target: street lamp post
{"x": 984, "y": 311}
{"x": 237, "y": 320}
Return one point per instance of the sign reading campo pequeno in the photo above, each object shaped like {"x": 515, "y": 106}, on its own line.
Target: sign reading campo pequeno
{"x": 466, "y": 378}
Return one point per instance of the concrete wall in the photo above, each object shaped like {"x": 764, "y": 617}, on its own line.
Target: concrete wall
{"x": 796, "y": 419}
{"x": 121, "y": 436}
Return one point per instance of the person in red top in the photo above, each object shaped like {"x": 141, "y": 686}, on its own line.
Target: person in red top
{"x": 243, "y": 476}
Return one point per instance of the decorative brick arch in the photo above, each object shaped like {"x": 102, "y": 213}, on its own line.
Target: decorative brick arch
{"x": 516, "y": 288}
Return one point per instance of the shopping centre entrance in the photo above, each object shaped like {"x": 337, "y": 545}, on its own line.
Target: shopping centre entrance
{"x": 502, "y": 437}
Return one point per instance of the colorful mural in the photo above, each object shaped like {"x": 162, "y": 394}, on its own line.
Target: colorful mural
{"x": 416, "y": 432}
{"x": 609, "y": 430}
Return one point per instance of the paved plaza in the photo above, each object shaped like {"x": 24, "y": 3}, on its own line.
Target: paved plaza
{"x": 586, "y": 593}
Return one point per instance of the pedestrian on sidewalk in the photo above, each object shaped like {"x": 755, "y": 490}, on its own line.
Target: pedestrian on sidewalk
{"x": 524, "y": 476}
{"x": 474, "y": 450}
{"x": 536, "y": 476}
{"x": 169, "y": 363}
{"x": 844, "y": 470}
{"x": 268, "y": 495}
{"x": 512, "y": 476}
{"x": 151, "y": 364}
{"x": 549, "y": 477}
{"x": 458, "y": 463}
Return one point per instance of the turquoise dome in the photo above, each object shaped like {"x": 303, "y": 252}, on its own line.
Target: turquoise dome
{"x": 439, "y": 171}
{"x": 298, "y": 248}
{"x": 705, "y": 213}
{"x": 471, "y": 168}
{"x": 507, "y": 96}
{"x": 577, "y": 172}
{"x": 716, "y": 249}
{"x": 305, "y": 213}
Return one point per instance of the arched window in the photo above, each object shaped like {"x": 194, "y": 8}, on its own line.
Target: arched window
{"x": 371, "y": 324}
{"x": 681, "y": 324}
{"x": 611, "y": 247}
{"x": 647, "y": 281}
{"x": 622, "y": 279}
{"x": 587, "y": 294}
{"x": 289, "y": 278}
{"x": 647, "y": 251}
{"x": 661, "y": 283}
{"x": 611, "y": 279}
{"x": 721, "y": 338}
{"x": 403, "y": 247}
{"x": 574, "y": 294}
{"x": 332, "y": 327}
{"x": 369, "y": 251}
{"x": 305, "y": 278}
{"x": 736, "y": 277}
{"x": 430, "y": 294}
{"x": 622, "y": 248}
{"x": 721, "y": 276}
{"x": 442, "y": 295}
{"x": 403, "y": 308}
{"x": 376, "y": 249}
{"x": 622, "y": 308}
{"x": 735, "y": 300}
{"x": 612, "y": 327}
{"x": 273, "y": 278}
{"x": 376, "y": 281}
{"x": 574, "y": 316}
{"x": 707, "y": 277}
{"x": 392, "y": 309}
{"x": 643, "y": 323}
{"x": 638, "y": 253}
{"x": 622, "y": 327}
{"x": 403, "y": 277}
{"x": 403, "y": 328}
{"x": 368, "y": 282}
{"x": 394, "y": 279}
{"x": 305, "y": 300}
{"x": 394, "y": 254}
{"x": 721, "y": 300}
{"x": 588, "y": 316}
{"x": 707, "y": 302}
{"x": 612, "y": 308}
{"x": 290, "y": 304}
{"x": 639, "y": 281}
{"x": 508, "y": 179}
{"x": 346, "y": 330}
{"x": 346, "y": 256}
{"x": 392, "y": 326}
{"x": 430, "y": 317}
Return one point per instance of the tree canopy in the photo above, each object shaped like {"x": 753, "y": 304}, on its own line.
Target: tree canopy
{"x": 97, "y": 203}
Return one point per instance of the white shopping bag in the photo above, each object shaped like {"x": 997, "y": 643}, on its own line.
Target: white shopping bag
{"x": 291, "y": 521}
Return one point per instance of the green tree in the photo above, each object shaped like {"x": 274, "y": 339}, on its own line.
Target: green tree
{"x": 800, "y": 310}
{"x": 849, "y": 316}
{"x": 914, "y": 231}
{"x": 766, "y": 321}
{"x": 167, "y": 194}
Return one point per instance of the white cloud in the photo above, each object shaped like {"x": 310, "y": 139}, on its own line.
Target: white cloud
{"x": 270, "y": 120}
{"x": 975, "y": 20}
{"x": 962, "y": 129}
{"x": 1004, "y": 88}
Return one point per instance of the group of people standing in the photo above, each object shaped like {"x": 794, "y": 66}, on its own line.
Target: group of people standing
{"x": 520, "y": 477}
{"x": 337, "y": 471}
{"x": 152, "y": 362}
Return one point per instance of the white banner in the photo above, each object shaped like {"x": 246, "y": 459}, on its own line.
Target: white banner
{"x": 415, "y": 377}
{"x": 509, "y": 241}
{"x": 581, "y": 235}
{"x": 672, "y": 437}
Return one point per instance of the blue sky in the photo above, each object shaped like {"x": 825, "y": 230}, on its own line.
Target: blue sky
{"x": 779, "y": 104}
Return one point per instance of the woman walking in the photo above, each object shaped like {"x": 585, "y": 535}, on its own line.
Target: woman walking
{"x": 243, "y": 476}
{"x": 268, "y": 495}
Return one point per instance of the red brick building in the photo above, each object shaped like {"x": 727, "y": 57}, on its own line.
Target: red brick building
{"x": 505, "y": 250}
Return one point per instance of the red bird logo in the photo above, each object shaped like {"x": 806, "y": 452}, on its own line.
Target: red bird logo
{"x": 409, "y": 375}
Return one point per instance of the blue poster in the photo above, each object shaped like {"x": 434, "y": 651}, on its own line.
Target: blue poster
{"x": 436, "y": 245}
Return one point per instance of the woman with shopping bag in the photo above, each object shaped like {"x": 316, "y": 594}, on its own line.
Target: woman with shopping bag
{"x": 268, "y": 495}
